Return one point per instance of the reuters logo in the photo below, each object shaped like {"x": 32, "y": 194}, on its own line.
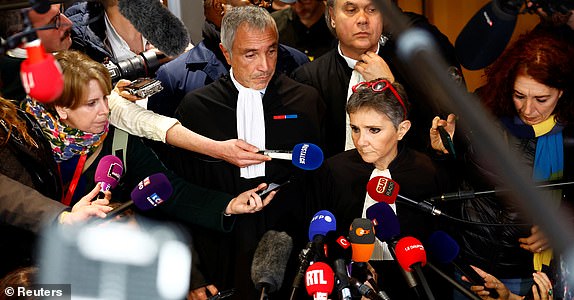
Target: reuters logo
{"x": 361, "y": 231}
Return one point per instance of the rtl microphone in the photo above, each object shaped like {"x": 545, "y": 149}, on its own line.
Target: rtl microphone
{"x": 444, "y": 249}
{"x": 411, "y": 256}
{"x": 383, "y": 189}
{"x": 41, "y": 74}
{"x": 319, "y": 280}
{"x": 306, "y": 156}
{"x": 486, "y": 35}
{"x": 149, "y": 193}
{"x": 157, "y": 24}
{"x": 269, "y": 262}
{"x": 109, "y": 171}
{"x": 322, "y": 223}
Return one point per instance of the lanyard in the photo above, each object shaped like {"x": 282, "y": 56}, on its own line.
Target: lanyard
{"x": 67, "y": 199}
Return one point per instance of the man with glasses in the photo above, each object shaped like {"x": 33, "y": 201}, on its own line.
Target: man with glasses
{"x": 54, "y": 32}
{"x": 205, "y": 62}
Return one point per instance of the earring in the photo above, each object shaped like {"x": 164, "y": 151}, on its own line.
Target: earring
{"x": 332, "y": 23}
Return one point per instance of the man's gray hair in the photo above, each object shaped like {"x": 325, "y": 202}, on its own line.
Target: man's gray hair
{"x": 330, "y": 4}
{"x": 255, "y": 17}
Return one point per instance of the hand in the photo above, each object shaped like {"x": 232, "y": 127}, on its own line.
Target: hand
{"x": 240, "y": 153}
{"x": 119, "y": 90}
{"x": 86, "y": 208}
{"x": 536, "y": 242}
{"x": 249, "y": 202}
{"x": 201, "y": 293}
{"x": 371, "y": 66}
{"x": 491, "y": 282}
{"x": 544, "y": 290}
{"x": 449, "y": 125}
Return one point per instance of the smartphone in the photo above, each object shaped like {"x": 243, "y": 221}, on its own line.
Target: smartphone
{"x": 446, "y": 140}
{"x": 272, "y": 187}
{"x": 144, "y": 87}
{"x": 474, "y": 278}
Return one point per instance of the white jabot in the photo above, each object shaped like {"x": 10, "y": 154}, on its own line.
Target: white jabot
{"x": 250, "y": 123}
{"x": 356, "y": 77}
{"x": 381, "y": 251}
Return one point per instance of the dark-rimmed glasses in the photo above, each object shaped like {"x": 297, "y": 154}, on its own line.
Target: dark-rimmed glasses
{"x": 378, "y": 87}
{"x": 55, "y": 21}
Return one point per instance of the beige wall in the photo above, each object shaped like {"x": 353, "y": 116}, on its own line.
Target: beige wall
{"x": 450, "y": 16}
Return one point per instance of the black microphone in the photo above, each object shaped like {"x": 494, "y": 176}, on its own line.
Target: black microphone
{"x": 343, "y": 284}
{"x": 269, "y": 262}
{"x": 157, "y": 24}
{"x": 486, "y": 35}
{"x": 365, "y": 290}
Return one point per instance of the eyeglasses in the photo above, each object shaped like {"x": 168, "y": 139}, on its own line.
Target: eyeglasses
{"x": 378, "y": 87}
{"x": 55, "y": 21}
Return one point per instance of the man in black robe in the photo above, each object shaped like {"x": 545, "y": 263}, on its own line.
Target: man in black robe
{"x": 268, "y": 110}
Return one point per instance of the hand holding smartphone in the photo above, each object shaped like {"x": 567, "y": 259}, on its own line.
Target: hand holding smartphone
{"x": 272, "y": 187}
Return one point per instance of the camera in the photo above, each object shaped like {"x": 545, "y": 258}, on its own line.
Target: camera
{"x": 141, "y": 65}
{"x": 144, "y": 87}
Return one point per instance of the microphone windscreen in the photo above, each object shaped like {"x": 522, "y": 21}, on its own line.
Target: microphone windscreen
{"x": 157, "y": 24}
{"x": 362, "y": 238}
{"x": 321, "y": 223}
{"x": 410, "y": 251}
{"x": 383, "y": 189}
{"x": 151, "y": 191}
{"x": 270, "y": 260}
{"x": 385, "y": 221}
{"x": 484, "y": 37}
{"x": 442, "y": 247}
{"x": 319, "y": 278}
{"x": 109, "y": 171}
{"x": 307, "y": 156}
{"x": 41, "y": 74}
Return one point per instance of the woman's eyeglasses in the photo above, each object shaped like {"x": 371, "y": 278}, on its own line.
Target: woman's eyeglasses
{"x": 378, "y": 87}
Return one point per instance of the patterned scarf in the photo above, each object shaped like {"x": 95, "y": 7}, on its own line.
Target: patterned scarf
{"x": 66, "y": 142}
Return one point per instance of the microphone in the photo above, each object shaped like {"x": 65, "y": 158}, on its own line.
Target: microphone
{"x": 362, "y": 238}
{"x": 388, "y": 193}
{"x": 40, "y": 73}
{"x": 387, "y": 229}
{"x": 444, "y": 249}
{"x": 269, "y": 261}
{"x": 109, "y": 171}
{"x": 320, "y": 280}
{"x": 321, "y": 223}
{"x": 383, "y": 189}
{"x": 487, "y": 33}
{"x": 149, "y": 193}
{"x": 411, "y": 256}
{"x": 306, "y": 156}
{"x": 157, "y": 24}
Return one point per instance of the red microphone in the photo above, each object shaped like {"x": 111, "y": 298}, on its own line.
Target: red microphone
{"x": 320, "y": 280}
{"x": 41, "y": 74}
{"x": 411, "y": 255}
{"x": 383, "y": 189}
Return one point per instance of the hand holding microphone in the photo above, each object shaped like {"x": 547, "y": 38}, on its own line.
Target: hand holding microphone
{"x": 85, "y": 209}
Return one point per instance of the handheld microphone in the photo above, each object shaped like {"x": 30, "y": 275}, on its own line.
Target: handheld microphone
{"x": 320, "y": 280}
{"x": 486, "y": 35}
{"x": 109, "y": 171}
{"x": 383, "y": 189}
{"x": 321, "y": 223}
{"x": 362, "y": 238}
{"x": 387, "y": 229}
{"x": 41, "y": 74}
{"x": 157, "y": 24}
{"x": 444, "y": 249}
{"x": 306, "y": 156}
{"x": 269, "y": 261}
{"x": 411, "y": 256}
{"x": 149, "y": 193}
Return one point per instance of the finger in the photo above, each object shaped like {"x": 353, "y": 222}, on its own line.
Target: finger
{"x": 92, "y": 194}
{"x": 451, "y": 118}
{"x": 435, "y": 122}
{"x": 257, "y": 201}
{"x": 269, "y": 198}
{"x": 122, "y": 83}
{"x": 101, "y": 202}
{"x": 246, "y": 146}
{"x": 212, "y": 289}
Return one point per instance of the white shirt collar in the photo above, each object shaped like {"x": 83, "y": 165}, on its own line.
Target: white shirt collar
{"x": 350, "y": 62}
